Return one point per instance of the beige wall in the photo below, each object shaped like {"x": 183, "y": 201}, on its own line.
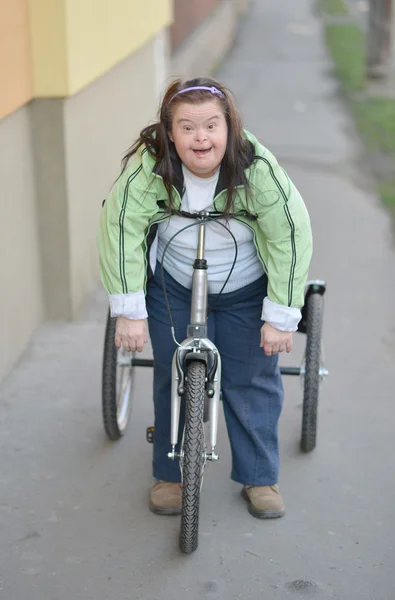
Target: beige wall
{"x": 46, "y": 118}
{"x": 101, "y": 123}
{"x": 20, "y": 275}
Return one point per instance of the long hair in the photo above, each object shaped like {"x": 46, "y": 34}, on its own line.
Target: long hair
{"x": 162, "y": 149}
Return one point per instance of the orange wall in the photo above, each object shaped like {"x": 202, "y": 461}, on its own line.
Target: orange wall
{"x": 54, "y": 48}
{"x": 16, "y": 82}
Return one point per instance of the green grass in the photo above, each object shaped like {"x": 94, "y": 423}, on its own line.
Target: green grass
{"x": 333, "y": 7}
{"x": 387, "y": 193}
{"x": 375, "y": 120}
{"x": 347, "y": 46}
{"x": 374, "y": 117}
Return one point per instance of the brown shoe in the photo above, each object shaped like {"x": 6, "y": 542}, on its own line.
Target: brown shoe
{"x": 165, "y": 498}
{"x": 264, "y": 501}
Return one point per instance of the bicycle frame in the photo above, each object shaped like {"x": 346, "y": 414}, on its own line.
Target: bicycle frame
{"x": 197, "y": 346}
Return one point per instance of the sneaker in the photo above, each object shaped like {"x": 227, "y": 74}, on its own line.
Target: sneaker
{"x": 165, "y": 498}
{"x": 264, "y": 501}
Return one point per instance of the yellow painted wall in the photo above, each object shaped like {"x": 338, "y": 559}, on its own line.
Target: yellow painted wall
{"x": 16, "y": 86}
{"x": 48, "y": 39}
{"x": 101, "y": 33}
{"x": 77, "y": 41}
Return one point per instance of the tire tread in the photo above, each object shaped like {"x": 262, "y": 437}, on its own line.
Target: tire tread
{"x": 312, "y": 378}
{"x": 192, "y": 460}
{"x": 109, "y": 374}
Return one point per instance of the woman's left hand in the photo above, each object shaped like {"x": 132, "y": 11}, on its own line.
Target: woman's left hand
{"x": 274, "y": 341}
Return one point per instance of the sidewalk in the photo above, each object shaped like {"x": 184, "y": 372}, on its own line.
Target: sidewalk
{"x": 74, "y": 521}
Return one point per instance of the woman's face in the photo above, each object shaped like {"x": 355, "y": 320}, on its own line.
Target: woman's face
{"x": 200, "y": 134}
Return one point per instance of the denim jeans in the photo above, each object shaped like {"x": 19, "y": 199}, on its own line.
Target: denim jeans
{"x": 251, "y": 384}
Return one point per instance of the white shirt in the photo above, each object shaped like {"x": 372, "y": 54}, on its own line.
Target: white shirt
{"x": 219, "y": 246}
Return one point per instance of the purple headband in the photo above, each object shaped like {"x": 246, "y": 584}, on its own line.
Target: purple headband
{"x": 212, "y": 89}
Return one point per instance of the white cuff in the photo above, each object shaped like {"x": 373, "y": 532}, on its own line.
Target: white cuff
{"x": 131, "y": 306}
{"x": 284, "y": 318}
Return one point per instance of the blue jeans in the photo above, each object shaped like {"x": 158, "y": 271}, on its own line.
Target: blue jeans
{"x": 252, "y": 389}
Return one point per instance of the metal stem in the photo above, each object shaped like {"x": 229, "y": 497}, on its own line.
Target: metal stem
{"x": 201, "y": 241}
{"x": 199, "y": 283}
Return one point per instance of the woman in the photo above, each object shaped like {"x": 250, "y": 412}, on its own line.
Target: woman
{"x": 198, "y": 157}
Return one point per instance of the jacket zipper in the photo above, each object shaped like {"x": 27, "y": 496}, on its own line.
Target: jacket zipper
{"x": 160, "y": 220}
{"x": 156, "y": 222}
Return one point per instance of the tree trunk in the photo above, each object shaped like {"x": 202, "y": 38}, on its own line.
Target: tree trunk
{"x": 379, "y": 38}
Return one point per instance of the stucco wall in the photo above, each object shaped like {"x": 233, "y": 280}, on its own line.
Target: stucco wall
{"x": 20, "y": 273}
{"x": 101, "y": 123}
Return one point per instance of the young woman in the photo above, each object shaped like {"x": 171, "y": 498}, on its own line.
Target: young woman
{"x": 198, "y": 157}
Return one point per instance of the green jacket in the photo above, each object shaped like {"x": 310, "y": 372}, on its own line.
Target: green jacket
{"x": 138, "y": 200}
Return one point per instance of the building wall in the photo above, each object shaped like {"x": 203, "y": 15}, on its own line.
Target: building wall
{"x": 16, "y": 83}
{"x": 75, "y": 93}
{"x": 78, "y": 143}
{"x": 203, "y": 49}
{"x": 48, "y": 154}
{"x": 87, "y": 38}
{"x": 101, "y": 123}
{"x": 187, "y": 16}
{"x": 20, "y": 271}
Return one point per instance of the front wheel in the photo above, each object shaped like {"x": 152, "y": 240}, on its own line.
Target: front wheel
{"x": 192, "y": 455}
{"x": 312, "y": 372}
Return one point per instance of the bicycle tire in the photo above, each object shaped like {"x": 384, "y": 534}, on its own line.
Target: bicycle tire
{"x": 115, "y": 411}
{"x": 312, "y": 375}
{"x": 192, "y": 460}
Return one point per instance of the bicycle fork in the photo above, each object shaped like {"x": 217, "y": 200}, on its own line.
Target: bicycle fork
{"x": 178, "y": 388}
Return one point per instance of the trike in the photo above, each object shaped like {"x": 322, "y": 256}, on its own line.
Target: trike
{"x": 196, "y": 380}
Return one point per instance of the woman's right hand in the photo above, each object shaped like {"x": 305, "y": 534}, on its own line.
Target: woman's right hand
{"x": 131, "y": 334}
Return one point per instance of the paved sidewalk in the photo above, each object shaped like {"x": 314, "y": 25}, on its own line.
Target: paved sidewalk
{"x": 74, "y": 521}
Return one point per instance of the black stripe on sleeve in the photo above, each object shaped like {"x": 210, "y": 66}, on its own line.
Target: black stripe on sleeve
{"x": 292, "y": 227}
{"x": 122, "y": 230}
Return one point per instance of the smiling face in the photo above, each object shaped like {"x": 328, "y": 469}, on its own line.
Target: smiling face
{"x": 200, "y": 134}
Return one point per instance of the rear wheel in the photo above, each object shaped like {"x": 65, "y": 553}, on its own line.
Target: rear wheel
{"x": 117, "y": 372}
{"x": 192, "y": 455}
{"x": 312, "y": 372}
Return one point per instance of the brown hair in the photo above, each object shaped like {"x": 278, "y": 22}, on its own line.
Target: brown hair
{"x": 157, "y": 141}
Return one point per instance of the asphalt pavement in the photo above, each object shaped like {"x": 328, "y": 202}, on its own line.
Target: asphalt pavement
{"x": 74, "y": 519}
